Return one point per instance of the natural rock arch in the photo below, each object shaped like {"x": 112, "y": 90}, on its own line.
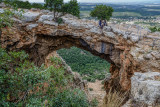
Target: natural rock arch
{"x": 39, "y": 35}
{"x": 44, "y": 45}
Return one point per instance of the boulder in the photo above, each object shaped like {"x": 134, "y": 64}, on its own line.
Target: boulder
{"x": 147, "y": 56}
{"x": 45, "y": 11}
{"x": 34, "y": 9}
{"x": 107, "y": 28}
{"x": 156, "y": 54}
{"x": 89, "y": 38}
{"x": 134, "y": 38}
{"x": 110, "y": 34}
{"x": 30, "y": 16}
{"x": 52, "y": 23}
{"x": 1, "y": 11}
{"x": 145, "y": 87}
{"x": 96, "y": 30}
{"x": 31, "y": 26}
{"x": 46, "y": 18}
{"x": 2, "y": 5}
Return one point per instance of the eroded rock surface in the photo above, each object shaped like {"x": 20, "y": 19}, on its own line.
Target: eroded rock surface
{"x": 145, "y": 87}
{"x": 39, "y": 35}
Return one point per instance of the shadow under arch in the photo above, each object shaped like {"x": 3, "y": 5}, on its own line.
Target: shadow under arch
{"x": 45, "y": 44}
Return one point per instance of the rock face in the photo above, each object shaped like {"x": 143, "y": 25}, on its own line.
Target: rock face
{"x": 30, "y": 17}
{"x": 145, "y": 87}
{"x": 39, "y": 35}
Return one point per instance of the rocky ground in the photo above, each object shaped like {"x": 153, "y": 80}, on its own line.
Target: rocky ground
{"x": 98, "y": 92}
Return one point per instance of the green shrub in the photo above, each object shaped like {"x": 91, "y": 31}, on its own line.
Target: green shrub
{"x": 94, "y": 103}
{"x": 70, "y": 98}
{"x": 56, "y": 60}
{"x": 22, "y": 4}
{"x": 37, "y": 6}
{"x": 90, "y": 89}
{"x": 90, "y": 79}
{"x": 18, "y": 75}
{"x": 20, "y": 79}
{"x": 100, "y": 77}
{"x": 154, "y": 29}
{"x": 59, "y": 20}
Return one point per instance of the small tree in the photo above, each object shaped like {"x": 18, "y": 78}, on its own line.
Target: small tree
{"x": 58, "y": 6}
{"x": 55, "y": 6}
{"x": 72, "y": 7}
{"x": 102, "y": 12}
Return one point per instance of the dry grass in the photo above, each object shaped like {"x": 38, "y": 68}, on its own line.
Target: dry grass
{"x": 114, "y": 99}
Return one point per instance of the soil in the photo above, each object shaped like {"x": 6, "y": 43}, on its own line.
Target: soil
{"x": 98, "y": 92}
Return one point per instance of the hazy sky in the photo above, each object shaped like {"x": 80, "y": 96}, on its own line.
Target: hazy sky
{"x": 96, "y": 1}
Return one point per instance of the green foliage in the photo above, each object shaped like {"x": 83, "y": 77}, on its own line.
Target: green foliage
{"x": 37, "y": 5}
{"x": 70, "y": 98}
{"x": 5, "y": 18}
{"x": 102, "y": 12}
{"x": 18, "y": 75}
{"x": 22, "y": 4}
{"x": 59, "y": 20}
{"x": 154, "y": 29}
{"x": 55, "y": 60}
{"x": 57, "y": 6}
{"x": 22, "y": 83}
{"x": 94, "y": 103}
{"x": 72, "y": 7}
{"x": 90, "y": 89}
{"x": 83, "y": 62}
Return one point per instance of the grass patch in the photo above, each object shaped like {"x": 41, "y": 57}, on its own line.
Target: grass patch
{"x": 114, "y": 99}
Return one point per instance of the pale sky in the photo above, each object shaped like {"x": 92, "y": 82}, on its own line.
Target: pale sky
{"x": 97, "y": 1}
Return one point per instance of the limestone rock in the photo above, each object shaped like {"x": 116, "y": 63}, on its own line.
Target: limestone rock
{"x": 1, "y": 10}
{"x": 145, "y": 87}
{"x": 88, "y": 38}
{"x": 50, "y": 23}
{"x": 148, "y": 56}
{"x": 45, "y": 11}
{"x": 109, "y": 34}
{"x": 2, "y": 5}
{"x": 107, "y": 28}
{"x": 46, "y": 18}
{"x": 34, "y": 9}
{"x": 31, "y": 26}
{"x": 30, "y": 16}
{"x": 16, "y": 20}
{"x": 107, "y": 77}
{"x": 156, "y": 54}
{"x": 117, "y": 31}
{"x": 96, "y": 30}
{"x": 125, "y": 36}
{"x": 134, "y": 38}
